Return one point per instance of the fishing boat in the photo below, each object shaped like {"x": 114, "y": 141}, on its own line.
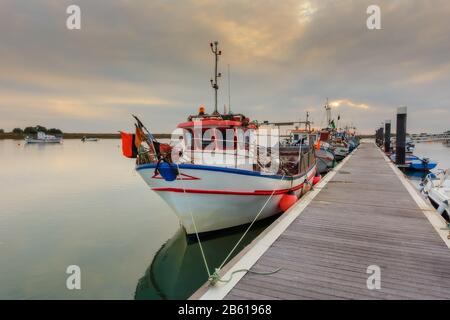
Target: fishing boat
{"x": 416, "y": 163}
{"x": 218, "y": 172}
{"x": 42, "y": 137}
{"x": 338, "y": 140}
{"x": 438, "y": 191}
{"x": 322, "y": 150}
{"x": 340, "y": 150}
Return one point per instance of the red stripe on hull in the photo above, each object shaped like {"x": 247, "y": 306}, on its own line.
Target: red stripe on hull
{"x": 238, "y": 193}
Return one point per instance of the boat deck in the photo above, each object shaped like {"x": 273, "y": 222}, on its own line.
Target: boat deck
{"x": 364, "y": 213}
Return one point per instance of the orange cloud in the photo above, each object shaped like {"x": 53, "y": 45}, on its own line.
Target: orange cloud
{"x": 348, "y": 103}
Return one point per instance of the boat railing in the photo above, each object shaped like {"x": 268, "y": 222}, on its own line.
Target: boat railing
{"x": 292, "y": 160}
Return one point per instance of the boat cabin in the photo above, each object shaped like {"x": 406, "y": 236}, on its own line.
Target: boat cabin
{"x": 217, "y": 132}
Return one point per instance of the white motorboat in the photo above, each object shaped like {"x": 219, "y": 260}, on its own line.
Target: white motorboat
{"x": 42, "y": 137}
{"x": 438, "y": 191}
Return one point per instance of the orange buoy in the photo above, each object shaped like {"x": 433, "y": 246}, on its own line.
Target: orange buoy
{"x": 316, "y": 179}
{"x": 287, "y": 200}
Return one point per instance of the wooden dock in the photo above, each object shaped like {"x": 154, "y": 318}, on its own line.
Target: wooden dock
{"x": 364, "y": 214}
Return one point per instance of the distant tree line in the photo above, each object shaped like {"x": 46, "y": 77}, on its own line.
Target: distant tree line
{"x": 34, "y": 130}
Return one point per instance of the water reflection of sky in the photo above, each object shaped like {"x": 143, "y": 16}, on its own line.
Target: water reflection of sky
{"x": 75, "y": 203}
{"x": 437, "y": 152}
{"x": 83, "y": 204}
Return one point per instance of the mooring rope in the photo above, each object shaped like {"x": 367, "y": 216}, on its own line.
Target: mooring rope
{"x": 215, "y": 277}
{"x": 251, "y": 224}
{"x": 195, "y": 226}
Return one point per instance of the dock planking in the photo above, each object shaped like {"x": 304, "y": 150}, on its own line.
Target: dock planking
{"x": 363, "y": 216}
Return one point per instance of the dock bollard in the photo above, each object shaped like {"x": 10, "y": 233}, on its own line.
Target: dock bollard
{"x": 401, "y": 136}
{"x": 387, "y": 136}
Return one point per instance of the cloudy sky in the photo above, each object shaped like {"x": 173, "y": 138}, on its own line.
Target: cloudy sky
{"x": 152, "y": 58}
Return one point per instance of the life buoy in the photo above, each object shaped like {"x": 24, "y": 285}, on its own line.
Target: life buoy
{"x": 317, "y": 179}
{"x": 287, "y": 200}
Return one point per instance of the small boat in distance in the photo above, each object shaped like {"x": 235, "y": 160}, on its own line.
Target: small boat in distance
{"x": 86, "y": 139}
{"x": 42, "y": 137}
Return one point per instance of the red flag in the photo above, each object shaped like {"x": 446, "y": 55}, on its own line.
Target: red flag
{"x": 139, "y": 137}
{"x": 128, "y": 146}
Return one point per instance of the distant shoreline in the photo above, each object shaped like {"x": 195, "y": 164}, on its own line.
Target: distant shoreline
{"x": 14, "y": 136}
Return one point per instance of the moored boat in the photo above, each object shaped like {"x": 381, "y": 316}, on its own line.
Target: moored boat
{"x": 415, "y": 163}
{"x": 438, "y": 191}
{"x": 322, "y": 150}
{"x": 42, "y": 137}
{"x": 231, "y": 189}
{"x": 221, "y": 170}
{"x": 340, "y": 150}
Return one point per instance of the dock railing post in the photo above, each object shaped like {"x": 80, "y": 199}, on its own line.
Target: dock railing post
{"x": 387, "y": 136}
{"x": 400, "y": 136}
{"x": 378, "y": 137}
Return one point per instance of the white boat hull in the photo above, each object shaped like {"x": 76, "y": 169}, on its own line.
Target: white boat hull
{"x": 439, "y": 194}
{"x": 219, "y": 198}
{"x": 325, "y": 160}
{"x": 57, "y": 140}
{"x": 340, "y": 152}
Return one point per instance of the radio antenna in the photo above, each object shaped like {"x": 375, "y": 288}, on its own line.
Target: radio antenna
{"x": 217, "y": 53}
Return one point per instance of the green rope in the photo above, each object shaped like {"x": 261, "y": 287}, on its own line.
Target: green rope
{"x": 215, "y": 277}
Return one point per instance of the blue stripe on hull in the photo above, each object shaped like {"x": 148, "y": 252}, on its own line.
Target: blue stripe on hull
{"x": 226, "y": 170}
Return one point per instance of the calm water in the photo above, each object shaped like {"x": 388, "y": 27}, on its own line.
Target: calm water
{"x": 436, "y": 151}
{"x": 83, "y": 204}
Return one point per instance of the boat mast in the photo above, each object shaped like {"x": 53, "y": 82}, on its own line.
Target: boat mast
{"x": 214, "y": 84}
{"x": 307, "y": 123}
{"x": 328, "y": 110}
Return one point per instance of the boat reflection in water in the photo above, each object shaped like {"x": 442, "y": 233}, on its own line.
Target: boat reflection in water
{"x": 417, "y": 175}
{"x": 177, "y": 269}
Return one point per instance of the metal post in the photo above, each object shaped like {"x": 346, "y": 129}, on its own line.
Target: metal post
{"x": 381, "y": 137}
{"x": 387, "y": 136}
{"x": 401, "y": 136}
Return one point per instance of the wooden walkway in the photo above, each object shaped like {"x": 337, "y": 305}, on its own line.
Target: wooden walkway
{"x": 363, "y": 216}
